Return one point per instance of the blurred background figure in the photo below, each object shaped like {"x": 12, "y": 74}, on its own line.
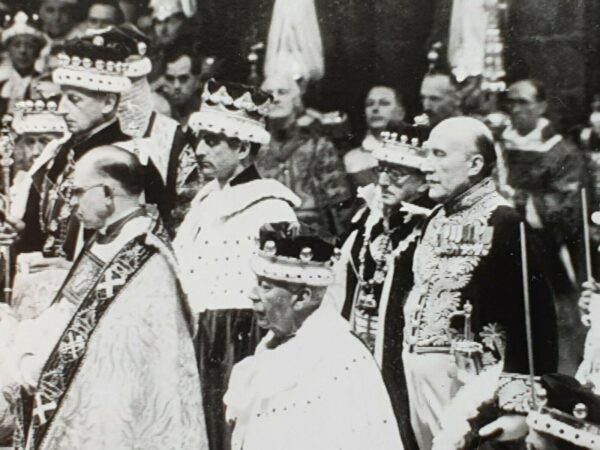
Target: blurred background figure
{"x": 305, "y": 162}
{"x": 101, "y": 14}
{"x": 24, "y": 41}
{"x": 58, "y": 18}
{"x": 384, "y": 110}
{"x": 35, "y": 125}
{"x": 171, "y": 22}
{"x": 440, "y": 98}
{"x": 181, "y": 85}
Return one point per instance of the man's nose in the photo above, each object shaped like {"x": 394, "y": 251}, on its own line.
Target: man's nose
{"x": 37, "y": 148}
{"x": 426, "y": 167}
{"x": 384, "y": 179}
{"x": 254, "y": 293}
{"x": 254, "y": 297}
{"x": 62, "y": 105}
{"x": 202, "y": 148}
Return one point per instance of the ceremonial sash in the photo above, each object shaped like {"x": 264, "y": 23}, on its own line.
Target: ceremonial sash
{"x": 66, "y": 357}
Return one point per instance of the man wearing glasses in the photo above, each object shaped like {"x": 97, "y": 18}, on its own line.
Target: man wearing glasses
{"x": 92, "y": 77}
{"x": 376, "y": 257}
{"x": 219, "y": 235}
{"x": 114, "y": 352}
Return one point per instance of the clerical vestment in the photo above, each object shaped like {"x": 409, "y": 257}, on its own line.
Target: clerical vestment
{"x": 319, "y": 390}
{"x": 113, "y": 356}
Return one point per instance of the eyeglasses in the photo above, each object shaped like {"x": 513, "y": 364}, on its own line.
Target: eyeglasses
{"x": 77, "y": 191}
{"x": 393, "y": 172}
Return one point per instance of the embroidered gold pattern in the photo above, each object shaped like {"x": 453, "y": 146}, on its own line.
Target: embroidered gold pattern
{"x": 452, "y": 247}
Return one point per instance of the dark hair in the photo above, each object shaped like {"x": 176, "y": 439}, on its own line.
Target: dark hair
{"x": 128, "y": 172}
{"x": 486, "y": 148}
{"x": 397, "y": 94}
{"x": 178, "y": 50}
{"x": 120, "y": 16}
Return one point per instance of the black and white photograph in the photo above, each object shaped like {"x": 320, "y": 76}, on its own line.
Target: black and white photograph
{"x": 299, "y": 224}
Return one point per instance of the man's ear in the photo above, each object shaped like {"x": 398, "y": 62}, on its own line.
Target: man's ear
{"x": 244, "y": 151}
{"x": 476, "y": 165}
{"x": 543, "y": 107}
{"x": 303, "y": 298}
{"x": 110, "y": 103}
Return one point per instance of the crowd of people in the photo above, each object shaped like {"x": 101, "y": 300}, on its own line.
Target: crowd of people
{"x": 194, "y": 263}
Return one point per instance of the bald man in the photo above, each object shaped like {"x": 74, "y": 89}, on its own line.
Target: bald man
{"x": 469, "y": 252}
{"x": 304, "y": 161}
{"x": 439, "y": 97}
{"x": 110, "y": 364}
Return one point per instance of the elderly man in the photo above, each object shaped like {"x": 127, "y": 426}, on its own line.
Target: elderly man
{"x": 468, "y": 286}
{"x": 546, "y": 171}
{"x": 306, "y": 163}
{"x": 439, "y": 97}
{"x": 218, "y": 236}
{"x": 24, "y": 41}
{"x": 384, "y": 111}
{"x": 98, "y": 373}
{"x": 311, "y": 383}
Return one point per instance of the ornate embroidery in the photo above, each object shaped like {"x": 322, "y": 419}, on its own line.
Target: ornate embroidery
{"x": 186, "y": 166}
{"x": 55, "y": 209}
{"x": 444, "y": 262}
{"x": 63, "y": 363}
{"x": 493, "y": 337}
{"x": 515, "y": 392}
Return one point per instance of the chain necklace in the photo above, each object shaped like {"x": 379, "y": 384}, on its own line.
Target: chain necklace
{"x": 54, "y": 222}
{"x": 366, "y": 300}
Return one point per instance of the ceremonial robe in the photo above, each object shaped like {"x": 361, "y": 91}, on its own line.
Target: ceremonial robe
{"x": 311, "y": 167}
{"x": 319, "y": 390}
{"x": 470, "y": 251}
{"x": 163, "y": 142}
{"x": 114, "y": 352}
{"x": 214, "y": 246}
{"x": 376, "y": 273}
{"x": 547, "y": 173}
{"x": 49, "y": 225}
